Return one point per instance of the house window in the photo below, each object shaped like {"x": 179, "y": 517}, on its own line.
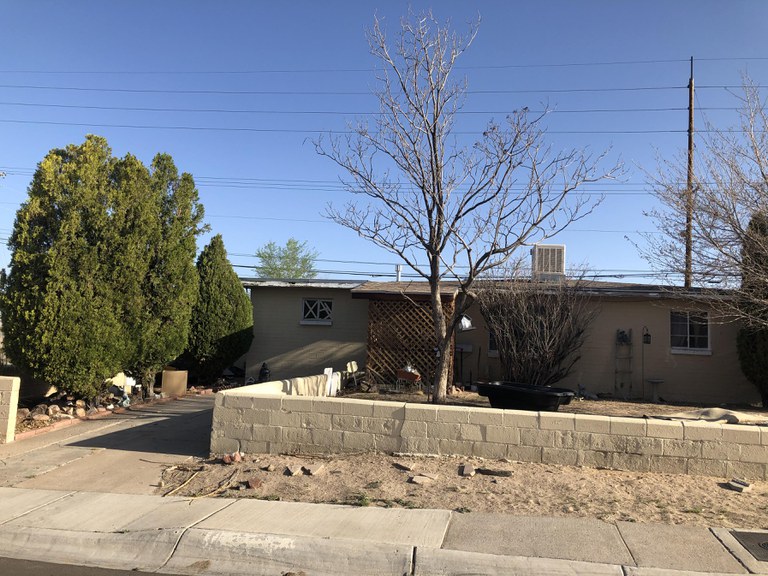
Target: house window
{"x": 689, "y": 332}
{"x": 493, "y": 345}
{"x": 316, "y": 311}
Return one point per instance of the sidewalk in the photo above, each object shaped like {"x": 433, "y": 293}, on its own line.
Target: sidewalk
{"x": 221, "y": 536}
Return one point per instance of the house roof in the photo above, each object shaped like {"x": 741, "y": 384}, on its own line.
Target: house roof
{"x": 298, "y": 283}
{"x": 417, "y": 290}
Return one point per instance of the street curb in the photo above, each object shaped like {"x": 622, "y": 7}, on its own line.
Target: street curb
{"x": 146, "y": 550}
{"x": 217, "y": 552}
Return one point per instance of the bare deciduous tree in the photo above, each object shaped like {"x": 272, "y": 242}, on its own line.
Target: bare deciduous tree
{"x": 539, "y": 327}
{"x": 730, "y": 187}
{"x": 450, "y": 212}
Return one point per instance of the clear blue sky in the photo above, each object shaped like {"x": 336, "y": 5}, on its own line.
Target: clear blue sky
{"x": 72, "y": 68}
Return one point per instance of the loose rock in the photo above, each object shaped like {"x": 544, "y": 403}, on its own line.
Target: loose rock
{"x": 404, "y": 466}
{"x": 314, "y": 469}
{"x": 254, "y": 483}
{"x": 294, "y": 470}
{"x": 467, "y": 470}
{"x": 268, "y": 468}
{"x": 421, "y": 480}
{"x": 41, "y": 417}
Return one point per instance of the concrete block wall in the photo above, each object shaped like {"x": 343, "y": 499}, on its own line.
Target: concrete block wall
{"x": 275, "y": 423}
{"x": 9, "y": 403}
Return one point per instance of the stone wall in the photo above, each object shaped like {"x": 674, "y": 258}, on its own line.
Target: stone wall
{"x": 9, "y": 402}
{"x": 257, "y": 422}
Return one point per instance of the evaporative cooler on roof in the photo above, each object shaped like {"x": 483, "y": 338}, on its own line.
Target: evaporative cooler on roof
{"x": 548, "y": 261}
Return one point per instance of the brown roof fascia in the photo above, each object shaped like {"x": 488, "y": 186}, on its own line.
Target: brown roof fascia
{"x": 418, "y": 291}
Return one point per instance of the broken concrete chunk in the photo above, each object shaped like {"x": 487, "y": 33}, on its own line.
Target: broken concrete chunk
{"x": 421, "y": 479}
{"x": 404, "y": 466}
{"x": 739, "y": 485}
{"x": 467, "y": 470}
{"x": 314, "y": 469}
{"x": 491, "y": 472}
{"x": 294, "y": 470}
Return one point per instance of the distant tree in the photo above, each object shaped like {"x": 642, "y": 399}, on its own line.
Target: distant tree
{"x": 222, "y": 319}
{"x": 294, "y": 260}
{"x": 169, "y": 280}
{"x": 752, "y": 340}
{"x": 539, "y": 327}
{"x": 61, "y": 315}
{"x": 453, "y": 211}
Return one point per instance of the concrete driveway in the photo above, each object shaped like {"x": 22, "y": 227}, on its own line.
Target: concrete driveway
{"x": 121, "y": 453}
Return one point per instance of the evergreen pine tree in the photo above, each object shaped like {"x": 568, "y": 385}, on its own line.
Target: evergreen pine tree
{"x": 222, "y": 320}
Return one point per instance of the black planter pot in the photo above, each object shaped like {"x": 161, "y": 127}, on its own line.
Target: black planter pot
{"x": 525, "y": 396}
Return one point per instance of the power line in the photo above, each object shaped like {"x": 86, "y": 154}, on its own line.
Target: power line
{"x": 325, "y": 92}
{"x": 310, "y": 131}
{"x": 338, "y": 112}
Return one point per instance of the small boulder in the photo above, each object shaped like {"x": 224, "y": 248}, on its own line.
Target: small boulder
{"x": 41, "y": 417}
{"x": 467, "y": 470}
{"x": 80, "y": 412}
{"x": 254, "y": 483}
{"x": 53, "y": 410}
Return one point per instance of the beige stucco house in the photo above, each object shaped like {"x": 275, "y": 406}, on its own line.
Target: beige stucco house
{"x": 302, "y": 327}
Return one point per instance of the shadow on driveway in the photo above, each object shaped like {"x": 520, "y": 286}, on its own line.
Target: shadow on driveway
{"x": 181, "y": 427}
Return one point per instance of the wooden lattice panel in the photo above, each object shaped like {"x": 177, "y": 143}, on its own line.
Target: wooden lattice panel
{"x": 400, "y": 334}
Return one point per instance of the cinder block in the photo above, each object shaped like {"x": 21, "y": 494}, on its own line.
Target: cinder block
{"x": 602, "y": 443}
{"x": 681, "y": 448}
{"x": 572, "y": 440}
{"x": 740, "y": 434}
{"x": 631, "y": 462}
{"x": 669, "y": 465}
{"x": 665, "y": 429}
{"x": 236, "y": 430}
{"x": 486, "y": 416}
{"x": 218, "y": 400}
{"x": 764, "y": 435}
{"x": 752, "y": 453}
{"x": 590, "y": 423}
{"x": 349, "y": 423}
{"x": 557, "y": 421}
{"x": 297, "y": 436}
{"x": 387, "y": 444}
{"x": 593, "y": 459}
{"x": 502, "y": 435}
{"x": 472, "y": 432}
{"x": 356, "y": 407}
{"x": 382, "y": 426}
{"x": 420, "y": 413}
{"x": 647, "y": 446}
{"x": 263, "y": 402}
{"x": 748, "y": 470}
{"x": 266, "y": 434}
{"x": 413, "y": 429}
{"x": 254, "y": 447}
{"x": 277, "y": 418}
{"x": 524, "y": 453}
{"x": 420, "y": 445}
{"x": 628, "y": 426}
{"x": 316, "y": 421}
{"x": 444, "y": 431}
{"x": 704, "y": 467}
{"x": 559, "y": 456}
{"x": 696, "y": 430}
{"x": 451, "y": 414}
{"x": 489, "y": 450}
{"x": 330, "y": 440}
{"x": 297, "y": 403}
{"x": 394, "y": 410}
{"x": 457, "y": 447}
{"x": 328, "y": 405}
{"x": 722, "y": 450}
{"x": 521, "y": 418}
{"x": 534, "y": 437}
{"x": 358, "y": 442}
{"x": 222, "y": 415}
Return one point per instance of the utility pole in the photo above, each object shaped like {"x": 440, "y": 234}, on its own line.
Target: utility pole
{"x": 689, "y": 189}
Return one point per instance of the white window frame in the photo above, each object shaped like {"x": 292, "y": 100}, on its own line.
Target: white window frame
{"x": 688, "y": 349}
{"x": 320, "y": 313}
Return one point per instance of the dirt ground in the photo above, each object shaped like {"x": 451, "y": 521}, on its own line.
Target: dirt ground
{"x": 517, "y": 488}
